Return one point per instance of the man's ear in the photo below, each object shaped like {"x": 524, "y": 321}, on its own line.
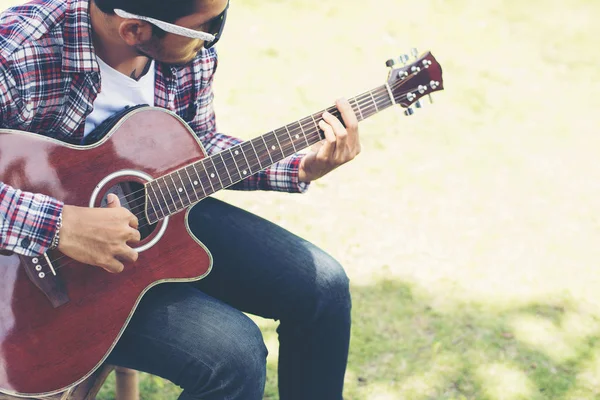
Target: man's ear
{"x": 134, "y": 31}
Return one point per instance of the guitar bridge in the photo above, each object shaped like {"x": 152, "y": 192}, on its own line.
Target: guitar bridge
{"x": 42, "y": 274}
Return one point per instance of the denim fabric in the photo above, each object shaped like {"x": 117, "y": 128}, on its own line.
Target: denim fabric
{"x": 197, "y": 335}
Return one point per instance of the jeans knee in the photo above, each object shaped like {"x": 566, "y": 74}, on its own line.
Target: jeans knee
{"x": 249, "y": 361}
{"x": 237, "y": 367}
{"x": 333, "y": 284}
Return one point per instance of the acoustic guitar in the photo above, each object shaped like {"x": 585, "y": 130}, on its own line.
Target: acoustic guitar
{"x": 59, "y": 319}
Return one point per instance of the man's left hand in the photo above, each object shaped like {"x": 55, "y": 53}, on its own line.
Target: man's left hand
{"x": 341, "y": 144}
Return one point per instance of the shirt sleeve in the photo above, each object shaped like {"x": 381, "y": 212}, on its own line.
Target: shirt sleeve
{"x": 281, "y": 176}
{"x": 28, "y": 221}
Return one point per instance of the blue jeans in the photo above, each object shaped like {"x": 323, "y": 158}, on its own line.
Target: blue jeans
{"x": 195, "y": 334}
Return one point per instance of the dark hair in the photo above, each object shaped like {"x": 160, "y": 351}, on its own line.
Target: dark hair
{"x": 165, "y": 10}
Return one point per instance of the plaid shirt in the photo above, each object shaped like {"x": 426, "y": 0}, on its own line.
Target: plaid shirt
{"x": 49, "y": 79}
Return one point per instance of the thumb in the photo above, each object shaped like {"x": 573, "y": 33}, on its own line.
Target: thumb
{"x": 112, "y": 201}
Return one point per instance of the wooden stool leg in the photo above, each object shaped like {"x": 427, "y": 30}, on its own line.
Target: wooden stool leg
{"x": 127, "y": 387}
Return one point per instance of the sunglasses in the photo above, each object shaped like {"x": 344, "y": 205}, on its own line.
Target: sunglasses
{"x": 215, "y": 26}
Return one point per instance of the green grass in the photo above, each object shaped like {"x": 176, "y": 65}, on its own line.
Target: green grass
{"x": 471, "y": 230}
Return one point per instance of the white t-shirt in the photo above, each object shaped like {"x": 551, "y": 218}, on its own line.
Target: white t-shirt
{"x": 118, "y": 91}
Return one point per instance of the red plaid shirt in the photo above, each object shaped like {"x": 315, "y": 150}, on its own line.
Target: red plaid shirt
{"x": 49, "y": 79}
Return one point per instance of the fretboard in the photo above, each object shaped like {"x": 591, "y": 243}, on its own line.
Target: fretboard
{"x": 178, "y": 190}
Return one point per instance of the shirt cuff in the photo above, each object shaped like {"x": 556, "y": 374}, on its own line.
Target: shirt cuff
{"x": 297, "y": 186}
{"x": 32, "y": 225}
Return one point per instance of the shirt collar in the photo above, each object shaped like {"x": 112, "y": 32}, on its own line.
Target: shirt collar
{"x": 78, "y": 49}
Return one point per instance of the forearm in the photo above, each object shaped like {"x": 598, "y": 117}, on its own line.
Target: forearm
{"x": 28, "y": 221}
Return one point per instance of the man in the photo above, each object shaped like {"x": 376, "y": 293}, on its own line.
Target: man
{"x": 65, "y": 66}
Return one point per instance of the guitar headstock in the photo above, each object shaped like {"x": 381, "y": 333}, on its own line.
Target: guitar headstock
{"x": 409, "y": 83}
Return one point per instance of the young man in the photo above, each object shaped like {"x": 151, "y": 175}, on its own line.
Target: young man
{"x": 67, "y": 65}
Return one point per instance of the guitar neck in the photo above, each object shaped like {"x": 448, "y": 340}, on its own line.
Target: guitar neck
{"x": 176, "y": 191}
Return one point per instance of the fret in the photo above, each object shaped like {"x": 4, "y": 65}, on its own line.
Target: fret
{"x": 260, "y": 149}
{"x": 303, "y": 133}
{"x": 193, "y": 185}
{"x": 184, "y": 187}
{"x": 389, "y": 92}
{"x": 374, "y": 102}
{"x": 242, "y": 160}
{"x": 385, "y": 101}
{"x": 163, "y": 194}
{"x": 316, "y": 127}
{"x": 170, "y": 191}
{"x": 266, "y": 149}
{"x": 204, "y": 192}
{"x": 273, "y": 146}
{"x": 213, "y": 173}
{"x": 288, "y": 144}
{"x": 178, "y": 191}
{"x": 206, "y": 175}
{"x": 306, "y": 130}
{"x": 296, "y": 136}
{"x": 235, "y": 174}
{"x": 149, "y": 184}
{"x": 279, "y": 144}
{"x": 256, "y": 153}
{"x": 226, "y": 168}
{"x": 292, "y": 140}
{"x": 359, "y": 110}
{"x": 235, "y": 163}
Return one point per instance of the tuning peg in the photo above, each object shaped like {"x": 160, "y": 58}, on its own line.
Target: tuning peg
{"x": 415, "y": 52}
{"x": 430, "y": 99}
{"x": 390, "y": 63}
{"x": 409, "y": 111}
{"x": 404, "y": 58}
{"x": 418, "y": 104}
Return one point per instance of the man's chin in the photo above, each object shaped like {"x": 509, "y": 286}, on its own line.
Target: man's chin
{"x": 179, "y": 63}
{"x": 169, "y": 62}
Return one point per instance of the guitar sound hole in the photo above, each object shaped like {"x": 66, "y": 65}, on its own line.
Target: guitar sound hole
{"x": 132, "y": 197}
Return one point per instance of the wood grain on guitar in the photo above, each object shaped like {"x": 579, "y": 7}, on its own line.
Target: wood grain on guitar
{"x": 59, "y": 319}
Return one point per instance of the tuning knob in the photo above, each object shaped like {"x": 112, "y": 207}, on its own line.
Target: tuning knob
{"x": 390, "y": 63}
{"x": 418, "y": 104}
{"x": 430, "y": 99}
{"x": 404, "y": 58}
{"x": 415, "y": 52}
{"x": 409, "y": 111}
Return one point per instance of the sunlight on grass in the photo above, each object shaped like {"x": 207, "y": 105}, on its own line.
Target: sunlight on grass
{"x": 588, "y": 380}
{"x": 382, "y": 392}
{"x": 443, "y": 369}
{"x": 502, "y": 381}
{"x": 543, "y": 335}
{"x": 577, "y": 327}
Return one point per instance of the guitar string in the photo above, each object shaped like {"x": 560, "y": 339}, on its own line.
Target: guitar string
{"x": 383, "y": 94}
{"x": 221, "y": 166}
{"x": 312, "y": 136}
{"x": 225, "y": 161}
{"x": 288, "y": 144}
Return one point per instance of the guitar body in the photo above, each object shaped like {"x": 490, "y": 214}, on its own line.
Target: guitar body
{"x": 56, "y": 330}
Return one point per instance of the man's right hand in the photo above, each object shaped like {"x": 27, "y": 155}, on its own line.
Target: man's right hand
{"x": 99, "y": 236}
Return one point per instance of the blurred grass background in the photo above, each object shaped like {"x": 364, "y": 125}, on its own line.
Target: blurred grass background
{"x": 471, "y": 230}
